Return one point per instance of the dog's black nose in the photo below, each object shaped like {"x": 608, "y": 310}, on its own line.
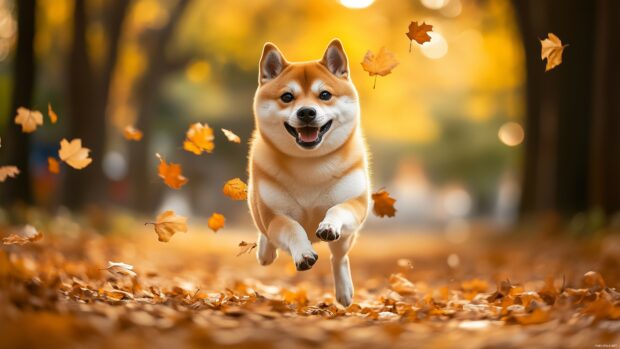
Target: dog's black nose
{"x": 306, "y": 114}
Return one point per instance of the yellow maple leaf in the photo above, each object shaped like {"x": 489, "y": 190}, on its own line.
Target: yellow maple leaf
{"x": 380, "y": 64}
{"x": 29, "y": 119}
{"x": 171, "y": 173}
{"x": 199, "y": 138}
{"x": 131, "y": 133}
{"x": 216, "y": 222}
{"x": 26, "y": 235}
{"x": 231, "y": 136}
{"x": 73, "y": 154}
{"x": 419, "y": 33}
{"x": 236, "y": 189}
{"x": 51, "y": 113}
{"x": 8, "y": 171}
{"x": 383, "y": 204}
{"x": 53, "y": 165}
{"x": 167, "y": 224}
{"x": 551, "y": 50}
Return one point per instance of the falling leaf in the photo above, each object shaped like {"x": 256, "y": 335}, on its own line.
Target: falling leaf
{"x": 171, "y": 173}
{"x": 419, "y": 33}
{"x": 26, "y": 235}
{"x": 199, "y": 139}
{"x": 29, "y": 119}
{"x": 122, "y": 269}
{"x": 551, "y": 50}
{"x": 8, "y": 171}
{"x": 216, "y": 222}
{"x": 380, "y": 64}
{"x": 383, "y": 204}
{"x": 167, "y": 224}
{"x": 246, "y": 247}
{"x": 53, "y": 165}
{"x": 73, "y": 154}
{"x": 231, "y": 136}
{"x": 236, "y": 189}
{"x": 131, "y": 133}
{"x": 51, "y": 113}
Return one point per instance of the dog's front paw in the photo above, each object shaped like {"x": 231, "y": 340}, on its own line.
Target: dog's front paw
{"x": 328, "y": 232}
{"x": 306, "y": 261}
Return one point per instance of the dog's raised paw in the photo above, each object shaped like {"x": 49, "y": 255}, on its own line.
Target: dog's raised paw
{"x": 328, "y": 232}
{"x": 306, "y": 262}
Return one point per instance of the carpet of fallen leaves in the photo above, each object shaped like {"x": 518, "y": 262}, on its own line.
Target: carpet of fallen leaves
{"x": 411, "y": 290}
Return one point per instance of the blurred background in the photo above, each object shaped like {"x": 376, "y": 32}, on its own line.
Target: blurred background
{"x": 468, "y": 128}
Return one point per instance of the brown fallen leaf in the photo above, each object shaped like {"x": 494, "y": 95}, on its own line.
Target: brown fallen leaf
{"x": 216, "y": 222}
{"x": 53, "y": 165}
{"x": 402, "y": 286}
{"x": 593, "y": 280}
{"x": 132, "y": 134}
{"x": 51, "y": 113}
{"x": 121, "y": 269}
{"x": 383, "y": 204}
{"x": 167, "y": 224}
{"x": 29, "y": 119}
{"x": 551, "y": 50}
{"x": 8, "y": 171}
{"x": 419, "y": 33}
{"x": 171, "y": 173}
{"x": 231, "y": 136}
{"x": 538, "y": 316}
{"x": 380, "y": 64}
{"x": 236, "y": 189}
{"x": 199, "y": 139}
{"x": 246, "y": 247}
{"x": 73, "y": 154}
{"x": 26, "y": 235}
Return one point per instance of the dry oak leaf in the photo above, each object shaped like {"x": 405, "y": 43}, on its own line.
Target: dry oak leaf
{"x": 380, "y": 64}
{"x": 236, "y": 189}
{"x": 51, "y": 113}
{"x": 199, "y": 139}
{"x": 551, "y": 50}
{"x": 245, "y": 247}
{"x": 167, "y": 224}
{"x": 231, "y": 136}
{"x": 8, "y": 171}
{"x": 131, "y": 133}
{"x": 216, "y": 222}
{"x": 121, "y": 269}
{"x": 27, "y": 234}
{"x": 383, "y": 204}
{"x": 73, "y": 154}
{"x": 419, "y": 33}
{"x": 171, "y": 173}
{"x": 29, "y": 119}
{"x": 53, "y": 165}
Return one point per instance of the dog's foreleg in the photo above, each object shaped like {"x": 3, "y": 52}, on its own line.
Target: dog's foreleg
{"x": 344, "y": 218}
{"x": 341, "y": 270}
{"x": 266, "y": 252}
{"x": 288, "y": 235}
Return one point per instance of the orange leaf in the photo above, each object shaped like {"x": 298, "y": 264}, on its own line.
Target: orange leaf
{"x": 199, "y": 139}
{"x": 167, "y": 224}
{"x": 216, "y": 222}
{"x": 8, "y": 171}
{"x": 73, "y": 154}
{"x": 419, "y": 33}
{"x": 380, "y": 64}
{"x": 53, "y": 165}
{"x": 51, "y": 113}
{"x": 245, "y": 247}
{"x": 383, "y": 204}
{"x": 231, "y": 136}
{"x": 29, "y": 119}
{"x": 236, "y": 189}
{"x": 26, "y": 235}
{"x": 551, "y": 50}
{"x": 132, "y": 134}
{"x": 171, "y": 173}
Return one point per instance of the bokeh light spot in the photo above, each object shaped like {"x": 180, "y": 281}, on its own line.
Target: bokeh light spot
{"x": 511, "y": 134}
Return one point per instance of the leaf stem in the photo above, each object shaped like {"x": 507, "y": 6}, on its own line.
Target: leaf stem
{"x": 375, "y": 83}
{"x": 410, "y": 42}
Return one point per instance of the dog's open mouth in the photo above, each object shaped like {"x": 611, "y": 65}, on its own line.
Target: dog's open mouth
{"x": 308, "y": 136}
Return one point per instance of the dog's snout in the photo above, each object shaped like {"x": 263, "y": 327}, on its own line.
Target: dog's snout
{"x": 306, "y": 114}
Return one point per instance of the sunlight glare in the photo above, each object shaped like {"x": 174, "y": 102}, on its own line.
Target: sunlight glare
{"x": 356, "y": 3}
{"x": 434, "y": 4}
{"x": 436, "y": 48}
{"x": 511, "y": 134}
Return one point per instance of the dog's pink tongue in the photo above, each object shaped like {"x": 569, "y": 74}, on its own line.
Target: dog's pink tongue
{"x": 308, "y": 134}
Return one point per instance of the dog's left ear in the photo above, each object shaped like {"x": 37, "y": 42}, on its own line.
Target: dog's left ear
{"x": 336, "y": 60}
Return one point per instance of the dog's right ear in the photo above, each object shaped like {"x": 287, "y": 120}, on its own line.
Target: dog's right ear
{"x": 272, "y": 63}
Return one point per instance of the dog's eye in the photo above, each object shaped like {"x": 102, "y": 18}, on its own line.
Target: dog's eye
{"x": 325, "y": 95}
{"x": 287, "y": 97}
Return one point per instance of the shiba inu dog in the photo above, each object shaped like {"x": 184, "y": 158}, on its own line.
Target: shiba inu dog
{"x": 308, "y": 161}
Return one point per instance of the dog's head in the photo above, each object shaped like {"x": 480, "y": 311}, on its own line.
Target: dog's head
{"x": 306, "y": 109}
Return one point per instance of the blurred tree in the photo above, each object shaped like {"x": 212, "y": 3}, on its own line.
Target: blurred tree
{"x": 572, "y": 160}
{"x": 88, "y": 92}
{"x": 23, "y": 85}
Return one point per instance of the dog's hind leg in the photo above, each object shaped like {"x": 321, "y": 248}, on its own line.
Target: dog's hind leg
{"x": 341, "y": 270}
{"x": 266, "y": 252}
{"x": 288, "y": 235}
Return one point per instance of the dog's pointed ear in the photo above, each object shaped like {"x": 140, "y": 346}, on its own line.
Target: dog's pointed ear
{"x": 272, "y": 63}
{"x": 335, "y": 59}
